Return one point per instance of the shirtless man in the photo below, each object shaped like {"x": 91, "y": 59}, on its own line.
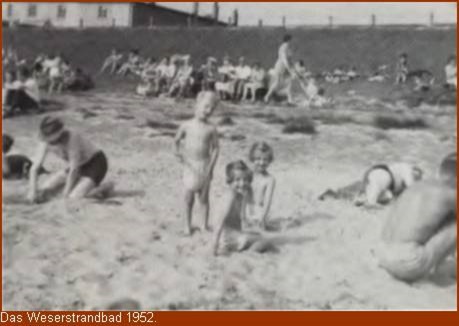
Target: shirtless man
{"x": 86, "y": 164}
{"x": 200, "y": 153}
{"x": 260, "y": 197}
{"x": 282, "y": 69}
{"x": 384, "y": 182}
{"x": 420, "y": 232}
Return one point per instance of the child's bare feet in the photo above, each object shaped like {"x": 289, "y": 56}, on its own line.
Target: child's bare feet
{"x": 103, "y": 191}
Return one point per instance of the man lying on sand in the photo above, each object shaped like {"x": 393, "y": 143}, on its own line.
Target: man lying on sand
{"x": 380, "y": 184}
{"x": 420, "y": 232}
{"x": 384, "y": 182}
{"x": 229, "y": 236}
{"x": 200, "y": 153}
{"x": 87, "y": 165}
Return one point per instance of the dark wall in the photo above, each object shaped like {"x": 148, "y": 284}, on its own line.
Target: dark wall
{"x": 320, "y": 49}
{"x": 163, "y": 17}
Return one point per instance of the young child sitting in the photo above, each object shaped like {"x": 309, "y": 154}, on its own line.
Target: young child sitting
{"x": 401, "y": 69}
{"x": 315, "y": 95}
{"x": 229, "y": 236}
{"x": 200, "y": 153}
{"x": 260, "y": 197}
{"x": 87, "y": 165}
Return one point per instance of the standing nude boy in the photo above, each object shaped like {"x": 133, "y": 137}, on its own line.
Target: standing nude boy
{"x": 198, "y": 156}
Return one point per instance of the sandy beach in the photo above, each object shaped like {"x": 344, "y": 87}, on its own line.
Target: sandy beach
{"x": 67, "y": 255}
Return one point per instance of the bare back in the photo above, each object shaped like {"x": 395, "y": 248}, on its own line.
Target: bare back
{"x": 420, "y": 212}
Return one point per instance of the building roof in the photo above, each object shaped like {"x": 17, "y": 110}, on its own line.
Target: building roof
{"x": 207, "y": 19}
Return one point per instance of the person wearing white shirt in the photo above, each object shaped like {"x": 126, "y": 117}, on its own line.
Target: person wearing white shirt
{"x": 242, "y": 73}
{"x": 23, "y": 95}
{"x": 451, "y": 72}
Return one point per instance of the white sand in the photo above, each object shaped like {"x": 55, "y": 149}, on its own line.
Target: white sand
{"x": 86, "y": 255}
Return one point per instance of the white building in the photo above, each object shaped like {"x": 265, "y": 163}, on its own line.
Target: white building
{"x": 81, "y": 14}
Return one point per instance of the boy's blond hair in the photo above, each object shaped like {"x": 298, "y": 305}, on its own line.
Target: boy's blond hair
{"x": 208, "y": 94}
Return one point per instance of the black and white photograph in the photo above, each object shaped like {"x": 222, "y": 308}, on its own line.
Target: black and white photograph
{"x": 229, "y": 156}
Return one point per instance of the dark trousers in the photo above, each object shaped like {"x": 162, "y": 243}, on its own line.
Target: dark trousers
{"x": 18, "y": 99}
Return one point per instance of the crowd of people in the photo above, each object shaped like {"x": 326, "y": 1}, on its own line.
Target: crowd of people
{"x": 176, "y": 76}
{"x": 25, "y": 80}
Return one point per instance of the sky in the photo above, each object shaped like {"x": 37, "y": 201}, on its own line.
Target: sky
{"x": 313, "y": 13}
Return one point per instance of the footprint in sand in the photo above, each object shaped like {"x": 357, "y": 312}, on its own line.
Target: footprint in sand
{"x": 124, "y": 304}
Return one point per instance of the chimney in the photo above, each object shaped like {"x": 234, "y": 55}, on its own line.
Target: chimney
{"x": 195, "y": 8}
{"x": 432, "y": 19}
{"x": 235, "y": 17}
{"x": 260, "y": 22}
{"x": 330, "y": 21}
{"x": 373, "y": 20}
{"x": 284, "y": 22}
{"x": 216, "y": 11}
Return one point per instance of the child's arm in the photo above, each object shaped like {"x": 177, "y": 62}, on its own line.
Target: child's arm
{"x": 267, "y": 201}
{"x": 72, "y": 177}
{"x": 215, "y": 150}
{"x": 33, "y": 176}
{"x": 181, "y": 134}
{"x": 223, "y": 214}
{"x": 5, "y": 166}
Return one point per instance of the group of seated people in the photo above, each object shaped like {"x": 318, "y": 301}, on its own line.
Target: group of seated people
{"x": 24, "y": 80}
{"x": 341, "y": 74}
{"x": 20, "y": 92}
{"x": 52, "y": 72}
{"x": 56, "y": 74}
{"x": 177, "y": 77}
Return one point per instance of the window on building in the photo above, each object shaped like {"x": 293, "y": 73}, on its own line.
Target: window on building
{"x": 9, "y": 10}
{"x": 102, "y": 12}
{"x": 32, "y": 10}
{"x": 61, "y": 11}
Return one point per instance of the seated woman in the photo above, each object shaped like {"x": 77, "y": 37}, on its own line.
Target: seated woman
{"x": 55, "y": 66}
{"x": 209, "y": 74}
{"x": 226, "y": 83}
{"x": 86, "y": 167}
{"x": 183, "y": 80}
{"x": 256, "y": 82}
{"x": 24, "y": 94}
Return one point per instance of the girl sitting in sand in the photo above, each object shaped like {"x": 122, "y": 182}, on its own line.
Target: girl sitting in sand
{"x": 87, "y": 165}
{"x": 229, "y": 236}
{"x": 260, "y": 197}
